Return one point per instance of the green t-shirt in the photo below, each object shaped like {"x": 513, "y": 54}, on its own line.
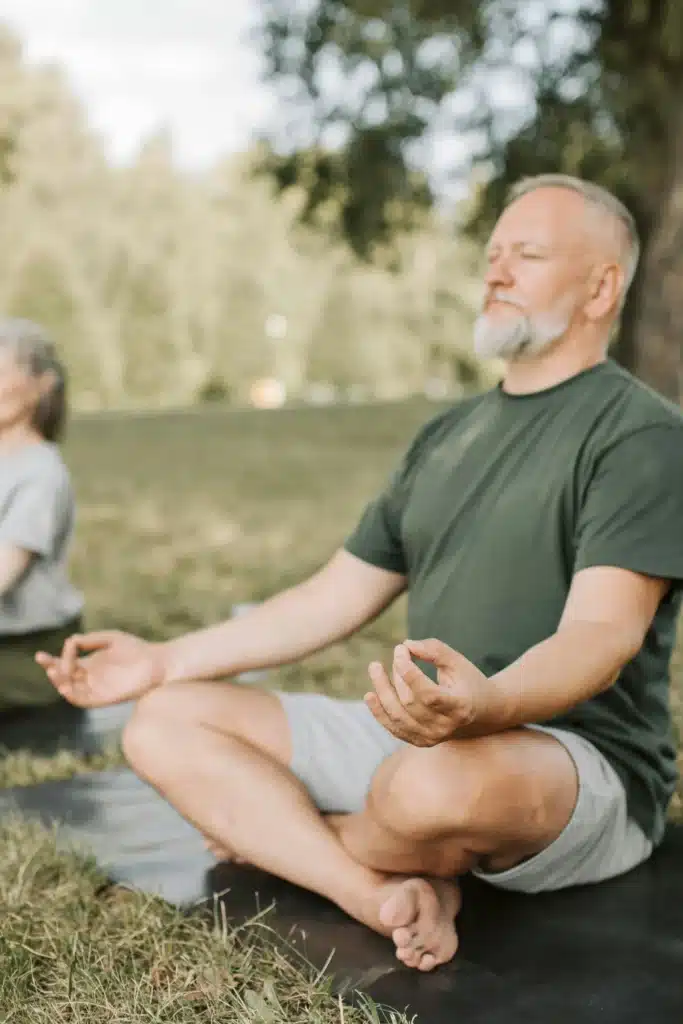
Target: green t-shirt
{"x": 500, "y": 500}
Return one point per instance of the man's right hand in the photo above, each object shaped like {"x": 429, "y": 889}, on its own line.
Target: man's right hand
{"x": 118, "y": 667}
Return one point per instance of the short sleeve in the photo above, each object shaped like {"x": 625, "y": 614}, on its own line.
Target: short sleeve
{"x": 632, "y": 515}
{"x": 35, "y": 514}
{"x": 377, "y": 536}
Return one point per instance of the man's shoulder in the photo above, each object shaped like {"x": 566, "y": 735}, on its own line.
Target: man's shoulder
{"x": 449, "y": 417}
{"x": 636, "y": 434}
{"x": 640, "y": 405}
{"x": 628, "y": 419}
{"x": 441, "y": 425}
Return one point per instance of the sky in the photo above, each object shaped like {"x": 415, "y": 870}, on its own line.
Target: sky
{"x": 186, "y": 66}
{"x": 142, "y": 65}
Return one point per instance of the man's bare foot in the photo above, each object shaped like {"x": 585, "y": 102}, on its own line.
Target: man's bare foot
{"x": 420, "y": 916}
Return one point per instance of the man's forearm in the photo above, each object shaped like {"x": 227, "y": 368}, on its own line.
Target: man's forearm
{"x": 579, "y": 661}
{"x": 284, "y": 629}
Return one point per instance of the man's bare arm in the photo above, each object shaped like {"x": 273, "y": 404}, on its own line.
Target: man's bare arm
{"x": 329, "y": 606}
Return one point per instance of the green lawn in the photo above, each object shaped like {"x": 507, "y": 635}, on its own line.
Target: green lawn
{"x": 180, "y": 517}
{"x": 76, "y": 951}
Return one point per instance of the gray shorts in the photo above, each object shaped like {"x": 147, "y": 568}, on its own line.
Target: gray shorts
{"x": 337, "y": 747}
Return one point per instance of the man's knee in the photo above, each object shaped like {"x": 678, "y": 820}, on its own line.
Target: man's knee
{"x": 426, "y": 793}
{"x": 161, "y": 719}
{"x": 514, "y": 785}
{"x": 146, "y": 734}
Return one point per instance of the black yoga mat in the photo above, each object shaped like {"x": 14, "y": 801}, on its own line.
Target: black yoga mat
{"x": 62, "y": 727}
{"x": 607, "y": 954}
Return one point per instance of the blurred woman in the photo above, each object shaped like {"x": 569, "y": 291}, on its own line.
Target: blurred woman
{"x": 39, "y": 608}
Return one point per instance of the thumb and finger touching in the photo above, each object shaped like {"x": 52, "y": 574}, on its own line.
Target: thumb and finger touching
{"x": 434, "y": 651}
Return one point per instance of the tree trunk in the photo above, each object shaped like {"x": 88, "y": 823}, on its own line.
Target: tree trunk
{"x": 624, "y": 349}
{"x": 657, "y": 339}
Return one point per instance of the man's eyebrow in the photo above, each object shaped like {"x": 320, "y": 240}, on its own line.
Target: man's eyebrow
{"x": 527, "y": 243}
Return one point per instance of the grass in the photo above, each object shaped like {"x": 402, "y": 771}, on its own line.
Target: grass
{"x": 180, "y": 517}
{"x": 76, "y": 951}
{"x": 183, "y": 515}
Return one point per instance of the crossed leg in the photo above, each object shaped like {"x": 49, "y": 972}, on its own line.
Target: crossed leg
{"x": 219, "y": 753}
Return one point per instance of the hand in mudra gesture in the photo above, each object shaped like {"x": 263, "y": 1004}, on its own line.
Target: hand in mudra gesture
{"x": 419, "y": 711}
{"x": 116, "y": 667}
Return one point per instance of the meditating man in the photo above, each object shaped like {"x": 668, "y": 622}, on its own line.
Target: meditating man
{"x": 523, "y": 732}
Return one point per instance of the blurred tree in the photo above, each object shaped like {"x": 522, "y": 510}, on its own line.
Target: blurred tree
{"x": 52, "y": 176}
{"x": 590, "y": 87}
{"x": 165, "y": 288}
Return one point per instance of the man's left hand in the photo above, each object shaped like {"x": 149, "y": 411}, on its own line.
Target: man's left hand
{"x": 414, "y": 708}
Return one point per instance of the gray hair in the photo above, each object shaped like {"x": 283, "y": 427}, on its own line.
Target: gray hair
{"x": 36, "y": 354}
{"x": 603, "y": 201}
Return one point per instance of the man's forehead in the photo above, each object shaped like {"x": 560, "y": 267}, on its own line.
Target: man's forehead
{"x": 548, "y": 216}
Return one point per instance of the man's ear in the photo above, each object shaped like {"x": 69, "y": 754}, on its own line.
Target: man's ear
{"x": 606, "y": 286}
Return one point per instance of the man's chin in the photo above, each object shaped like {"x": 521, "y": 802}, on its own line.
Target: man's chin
{"x": 521, "y": 352}
{"x": 517, "y": 343}
{"x": 490, "y": 344}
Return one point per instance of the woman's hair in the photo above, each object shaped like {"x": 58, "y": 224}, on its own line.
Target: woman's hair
{"x": 36, "y": 353}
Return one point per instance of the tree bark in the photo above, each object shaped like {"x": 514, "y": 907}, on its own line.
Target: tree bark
{"x": 657, "y": 327}
{"x": 624, "y": 348}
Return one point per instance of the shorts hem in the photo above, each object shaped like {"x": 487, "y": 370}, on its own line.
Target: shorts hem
{"x": 539, "y": 873}
{"x": 557, "y": 848}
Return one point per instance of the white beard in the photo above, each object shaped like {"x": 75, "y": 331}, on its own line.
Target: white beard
{"x": 517, "y": 336}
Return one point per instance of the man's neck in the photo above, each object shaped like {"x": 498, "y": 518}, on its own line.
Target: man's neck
{"x": 529, "y": 374}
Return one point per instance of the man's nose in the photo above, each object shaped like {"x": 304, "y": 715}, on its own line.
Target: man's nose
{"x": 498, "y": 272}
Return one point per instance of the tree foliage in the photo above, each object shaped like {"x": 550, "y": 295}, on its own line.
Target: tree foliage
{"x": 372, "y": 83}
{"x": 589, "y": 87}
{"x": 594, "y": 81}
{"x": 159, "y": 286}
